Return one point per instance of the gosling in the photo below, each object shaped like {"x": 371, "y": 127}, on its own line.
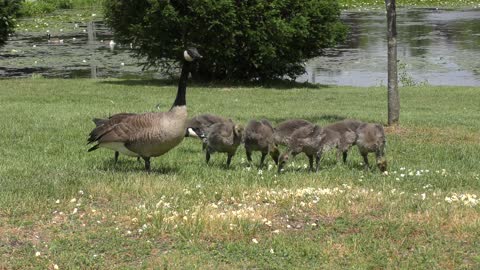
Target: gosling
{"x": 284, "y": 130}
{"x": 223, "y": 137}
{"x": 371, "y": 139}
{"x": 311, "y": 140}
{"x": 198, "y": 126}
{"x": 347, "y": 130}
{"x": 259, "y": 137}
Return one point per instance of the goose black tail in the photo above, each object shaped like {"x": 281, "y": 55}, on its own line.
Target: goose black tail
{"x": 95, "y": 147}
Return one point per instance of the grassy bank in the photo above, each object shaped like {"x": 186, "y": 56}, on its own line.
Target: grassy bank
{"x": 60, "y": 205}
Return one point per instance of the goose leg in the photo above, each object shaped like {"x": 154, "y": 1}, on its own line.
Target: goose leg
{"x": 204, "y": 144}
{"x": 345, "y": 153}
{"x": 262, "y": 159}
{"x": 116, "y": 157}
{"x": 317, "y": 161}
{"x": 207, "y": 156}
{"x": 249, "y": 157}
{"x": 365, "y": 160}
{"x": 229, "y": 160}
{"x": 147, "y": 163}
{"x": 310, "y": 161}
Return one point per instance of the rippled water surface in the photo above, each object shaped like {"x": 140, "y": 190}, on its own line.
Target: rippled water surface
{"x": 438, "y": 47}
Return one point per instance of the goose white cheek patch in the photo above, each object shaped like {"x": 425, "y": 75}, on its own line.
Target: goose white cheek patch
{"x": 187, "y": 56}
{"x": 192, "y": 133}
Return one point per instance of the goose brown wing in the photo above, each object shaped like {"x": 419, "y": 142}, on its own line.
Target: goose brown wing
{"x": 119, "y": 128}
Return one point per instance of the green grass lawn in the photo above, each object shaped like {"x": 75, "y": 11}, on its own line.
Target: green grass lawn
{"x": 60, "y": 205}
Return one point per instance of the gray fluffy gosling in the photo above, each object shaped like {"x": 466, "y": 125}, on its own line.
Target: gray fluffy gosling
{"x": 311, "y": 140}
{"x": 284, "y": 130}
{"x": 223, "y": 137}
{"x": 259, "y": 137}
{"x": 198, "y": 126}
{"x": 371, "y": 139}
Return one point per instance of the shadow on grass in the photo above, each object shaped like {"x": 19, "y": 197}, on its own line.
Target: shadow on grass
{"x": 132, "y": 165}
{"x": 313, "y": 119}
{"x": 276, "y": 84}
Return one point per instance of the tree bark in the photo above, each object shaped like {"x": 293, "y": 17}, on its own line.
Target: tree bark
{"x": 393, "y": 94}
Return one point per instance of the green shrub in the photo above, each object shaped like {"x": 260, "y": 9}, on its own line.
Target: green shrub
{"x": 8, "y": 11}
{"x": 254, "y": 39}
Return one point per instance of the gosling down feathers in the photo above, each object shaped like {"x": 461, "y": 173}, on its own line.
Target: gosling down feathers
{"x": 199, "y": 125}
{"x": 151, "y": 134}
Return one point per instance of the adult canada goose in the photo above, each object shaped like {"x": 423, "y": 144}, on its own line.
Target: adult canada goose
{"x": 198, "y": 126}
{"x": 259, "y": 137}
{"x": 54, "y": 40}
{"x": 151, "y": 134}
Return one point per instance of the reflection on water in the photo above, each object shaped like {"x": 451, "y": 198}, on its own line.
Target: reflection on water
{"x": 441, "y": 47}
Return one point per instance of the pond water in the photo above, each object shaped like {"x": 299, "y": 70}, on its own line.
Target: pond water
{"x": 438, "y": 47}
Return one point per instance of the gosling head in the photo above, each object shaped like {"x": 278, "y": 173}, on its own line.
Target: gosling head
{"x": 382, "y": 164}
{"x": 238, "y": 131}
{"x": 282, "y": 161}
{"x": 191, "y": 54}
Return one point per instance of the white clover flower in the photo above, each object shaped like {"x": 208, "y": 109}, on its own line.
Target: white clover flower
{"x": 271, "y": 251}
{"x": 402, "y": 169}
{"x": 55, "y": 267}
{"x": 254, "y": 240}
{"x": 423, "y": 196}
{"x": 73, "y": 200}
{"x": 270, "y": 166}
{"x": 260, "y": 172}
{"x": 75, "y": 210}
{"x": 402, "y": 175}
{"x": 37, "y": 254}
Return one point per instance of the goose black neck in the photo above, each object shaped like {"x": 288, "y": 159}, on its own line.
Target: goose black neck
{"x": 182, "y": 85}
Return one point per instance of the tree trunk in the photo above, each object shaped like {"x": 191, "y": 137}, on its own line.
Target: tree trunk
{"x": 393, "y": 95}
